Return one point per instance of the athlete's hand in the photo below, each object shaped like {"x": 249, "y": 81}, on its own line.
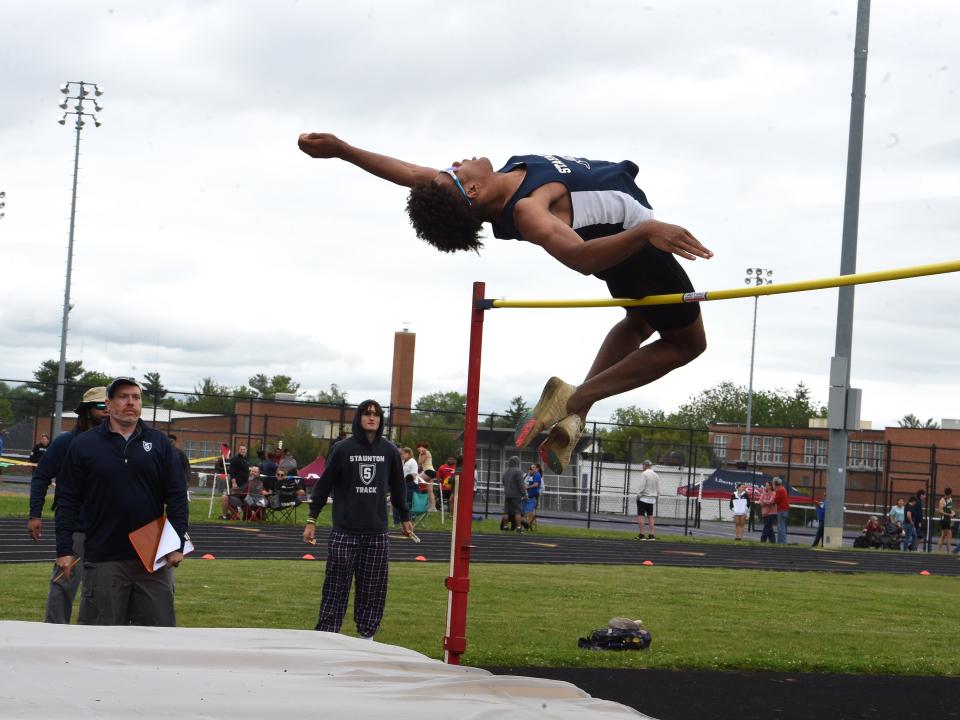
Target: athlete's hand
{"x": 35, "y": 528}
{"x": 320, "y": 145}
{"x": 174, "y": 558}
{"x": 675, "y": 239}
{"x": 310, "y": 534}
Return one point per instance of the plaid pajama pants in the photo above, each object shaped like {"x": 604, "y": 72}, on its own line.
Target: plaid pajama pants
{"x": 350, "y": 556}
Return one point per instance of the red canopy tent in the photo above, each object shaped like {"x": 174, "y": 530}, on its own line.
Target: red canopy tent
{"x": 312, "y": 472}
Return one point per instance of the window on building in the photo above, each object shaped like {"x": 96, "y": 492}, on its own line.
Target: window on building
{"x": 778, "y": 450}
{"x": 720, "y": 446}
{"x": 821, "y": 452}
{"x": 853, "y": 454}
{"x": 809, "y": 448}
{"x": 767, "y": 453}
{"x": 199, "y": 449}
{"x": 317, "y": 428}
{"x": 879, "y": 451}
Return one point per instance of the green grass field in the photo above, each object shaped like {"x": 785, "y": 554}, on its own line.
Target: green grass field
{"x": 532, "y": 615}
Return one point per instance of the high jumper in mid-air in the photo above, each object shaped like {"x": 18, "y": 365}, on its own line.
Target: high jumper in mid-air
{"x": 592, "y": 217}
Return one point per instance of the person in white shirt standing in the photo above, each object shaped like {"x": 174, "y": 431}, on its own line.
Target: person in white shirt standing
{"x": 647, "y": 500}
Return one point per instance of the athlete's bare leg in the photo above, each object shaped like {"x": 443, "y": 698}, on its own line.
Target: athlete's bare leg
{"x": 624, "y": 363}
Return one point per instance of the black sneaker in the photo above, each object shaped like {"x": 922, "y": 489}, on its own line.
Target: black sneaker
{"x": 650, "y": 537}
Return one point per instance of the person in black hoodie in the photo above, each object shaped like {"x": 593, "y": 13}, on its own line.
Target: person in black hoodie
{"x": 360, "y": 471}
{"x": 124, "y": 474}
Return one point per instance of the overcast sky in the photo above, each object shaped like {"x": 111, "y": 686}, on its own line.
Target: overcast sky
{"x": 208, "y": 245}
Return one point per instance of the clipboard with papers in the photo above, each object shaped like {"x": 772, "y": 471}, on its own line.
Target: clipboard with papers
{"x": 155, "y": 540}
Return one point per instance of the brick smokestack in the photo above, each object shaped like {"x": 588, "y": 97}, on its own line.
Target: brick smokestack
{"x": 401, "y": 384}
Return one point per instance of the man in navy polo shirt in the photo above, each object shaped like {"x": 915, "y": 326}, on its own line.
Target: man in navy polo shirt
{"x": 124, "y": 474}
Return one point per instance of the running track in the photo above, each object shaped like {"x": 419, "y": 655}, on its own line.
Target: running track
{"x": 244, "y": 541}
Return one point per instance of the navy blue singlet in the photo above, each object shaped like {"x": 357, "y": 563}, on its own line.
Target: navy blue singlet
{"x": 606, "y": 200}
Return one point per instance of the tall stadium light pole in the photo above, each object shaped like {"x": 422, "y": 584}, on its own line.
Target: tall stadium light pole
{"x": 755, "y": 276}
{"x": 843, "y": 409}
{"x": 83, "y": 92}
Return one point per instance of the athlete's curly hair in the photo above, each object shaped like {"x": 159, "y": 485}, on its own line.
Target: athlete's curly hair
{"x": 443, "y": 219}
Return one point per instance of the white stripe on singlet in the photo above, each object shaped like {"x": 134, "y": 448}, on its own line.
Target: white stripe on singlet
{"x": 605, "y": 207}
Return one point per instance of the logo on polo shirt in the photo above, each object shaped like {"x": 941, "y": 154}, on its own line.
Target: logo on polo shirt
{"x": 147, "y": 446}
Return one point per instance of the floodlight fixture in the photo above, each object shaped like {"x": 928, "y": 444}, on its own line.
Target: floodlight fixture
{"x": 63, "y": 120}
{"x": 755, "y": 276}
{"x": 97, "y": 107}
{"x": 97, "y": 90}
{"x": 65, "y": 89}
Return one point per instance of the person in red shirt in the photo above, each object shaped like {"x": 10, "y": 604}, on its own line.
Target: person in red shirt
{"x": 783, "y": 510}
{"x": 445, "y": 476}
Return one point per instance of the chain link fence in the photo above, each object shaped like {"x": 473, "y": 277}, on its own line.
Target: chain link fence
{"x": 600, "y": 482}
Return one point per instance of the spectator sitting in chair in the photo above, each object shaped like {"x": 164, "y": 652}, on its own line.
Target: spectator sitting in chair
{"x": 427, "y": 472}
{"x": 446, "y": 474}
{"x": 231, "y": 502}
{"x": 271, "y": 486}
{"x": 873, "y": 531}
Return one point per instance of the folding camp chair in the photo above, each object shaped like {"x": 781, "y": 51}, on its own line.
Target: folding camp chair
{"x": 421, "y": 504}
{"x": 255, "y": 503}
{"x": 283, "y": 504}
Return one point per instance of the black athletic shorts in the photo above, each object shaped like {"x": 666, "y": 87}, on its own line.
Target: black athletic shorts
{"x": 650, "y": 271}
{"x": 644, "y": 508}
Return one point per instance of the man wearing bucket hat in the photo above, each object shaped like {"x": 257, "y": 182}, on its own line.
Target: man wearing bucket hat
{"x": 124, "y": 474}
{"x": 90, "y": 411}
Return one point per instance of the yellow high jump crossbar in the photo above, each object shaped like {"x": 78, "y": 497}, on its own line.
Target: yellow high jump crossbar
{"x": 753, "y": 291}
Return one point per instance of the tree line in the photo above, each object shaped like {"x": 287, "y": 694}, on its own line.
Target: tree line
{"x": 437, "y": 418}
{"x": 32, "y": 398}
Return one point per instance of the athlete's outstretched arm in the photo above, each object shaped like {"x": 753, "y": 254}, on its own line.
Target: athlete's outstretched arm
{"x": 326, "y": 145}
{"x": 539, "y": 226}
